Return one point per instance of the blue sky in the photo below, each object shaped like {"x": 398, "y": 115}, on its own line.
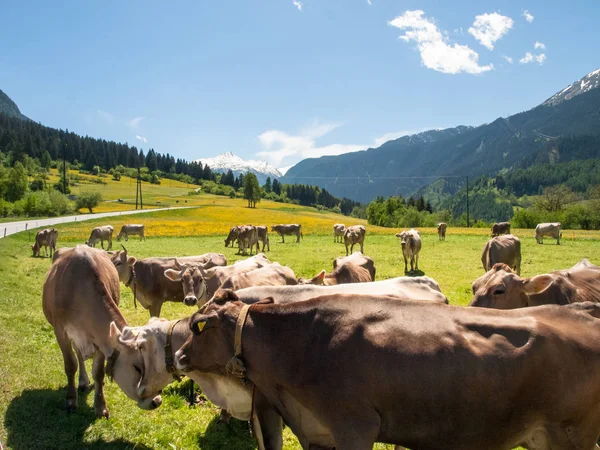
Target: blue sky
{"x": 284, "y": 80}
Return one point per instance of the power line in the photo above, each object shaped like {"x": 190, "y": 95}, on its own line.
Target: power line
{"x": 375, "y": 178}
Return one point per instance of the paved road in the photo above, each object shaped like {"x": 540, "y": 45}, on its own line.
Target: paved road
{"x": 16, "y": 227}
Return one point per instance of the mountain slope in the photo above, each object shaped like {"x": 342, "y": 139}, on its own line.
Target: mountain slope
{"x": 228, "y": 160}
{"x": 411, "y": 162}
{"x": 10, "y": 108}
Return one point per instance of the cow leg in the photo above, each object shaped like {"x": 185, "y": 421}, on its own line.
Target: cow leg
{"x": 405, "y": 265}
{"x": 346, "y": 250}
{"x": 70, "y": 368}
{"x": 98, "y": 374}
{"x": 268, "y": 245}
{"x": 225, "y": 417}
{"x": 155, "y": 308}
{"x": 109, "y": 243}
{"x": 84, "y": 381}
{"x": 282, "y": 239}
{"x": 417, "y": 262}
{"x": 362, "y": 248}
{"x": 266, "y": 424}
{"x": 101, "y": 243}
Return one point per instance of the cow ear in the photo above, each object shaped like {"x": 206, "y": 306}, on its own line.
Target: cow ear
{"x": 225, "y": 295}
{"x": 114, "y": 334}
{"x": 398, "y": 235}
{"x": 173, "y": 275}
{"x": 131, "y": 260}
{"x": 203, "y": 322}
{"x": 537, "y": 284}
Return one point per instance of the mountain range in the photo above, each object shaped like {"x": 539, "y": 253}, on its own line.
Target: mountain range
{"x": 228, "y": 161}
{"x": 10, "y": 108}
{"x": 405, "y": 165}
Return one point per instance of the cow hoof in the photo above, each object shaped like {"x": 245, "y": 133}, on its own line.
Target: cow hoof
{"x": 225, "y": 417}
{"x": 102, "y": 413}
{"x": 84, "y": 388}
{"x": 71, "y": 406}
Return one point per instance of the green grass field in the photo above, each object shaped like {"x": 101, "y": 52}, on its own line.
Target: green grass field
{"x": 32, "y": 380}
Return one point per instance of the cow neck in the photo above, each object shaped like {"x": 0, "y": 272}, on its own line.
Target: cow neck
{"x": 169, "y": 347}
{"x": 133, "y": 279}
{"x": 235, "y": 366}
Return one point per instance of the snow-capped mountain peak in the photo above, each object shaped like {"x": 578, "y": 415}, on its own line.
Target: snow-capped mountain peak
{"x": 590, "y": 81}
{"x": 228, "y": 161}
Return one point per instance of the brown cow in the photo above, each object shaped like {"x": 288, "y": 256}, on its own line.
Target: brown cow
{"x": 270, "y": 275}
{"x": 80, "y": 300}
{"x": 131, "y": 230}
{"x": 548, "y": 229}
{"x": 411, "y": 247}
{"x": 338, "y": 232}
{"x": 232, "y": 237}
{"x": 46, "y": 238}
{"x": 354, "y": 235}
{"x": 356, "y": 268}
{"x": 500, "y": 228}
{"x": 441, "y": 229}
{"x": 263, "y": 236}
{"x": 502, "y": 249}
{"x": 502, "y": 289}
{"x": 358, "y": 259}
{"x": 103, "y": 233}
{"x": 146, "y": 278}
{"x": 247, "y": 238}
{"x": 291, "y": 229}
{"x": 502, "y": 378}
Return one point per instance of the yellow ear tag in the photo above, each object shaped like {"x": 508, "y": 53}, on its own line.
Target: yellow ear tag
{"x": 200, "y": 325}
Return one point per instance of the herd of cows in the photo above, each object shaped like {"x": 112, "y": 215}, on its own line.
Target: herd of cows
{"x": 343, "y": 360}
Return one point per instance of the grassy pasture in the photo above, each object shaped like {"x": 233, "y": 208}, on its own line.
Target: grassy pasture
{"x": 32, "y": 380}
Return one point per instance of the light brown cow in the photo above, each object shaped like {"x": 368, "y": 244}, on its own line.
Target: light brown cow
{"x": 500, "y": 228}
{"x": 513, "y": 369}
{"x": 354, "y": 235}
{"x": 146, "y": 278}
{"x": 441, "y": 229}
{"x": 263, "y": 236}
{"x": 46, "y": 238}
{"x": 247, "y": 238}
{"x": 502, "y": 249}
{"x": 291, "y": 229}
{"x": 131, "y": 230}
{"x": 232, "y": 237}
{"x": 356, "y": 268}
{"x": 502, "y": 289}
{"x": 270, "y": 275}
{"x": 80, "y": 299}
{"x": 548, "y": 229}
{"x": 358, "y": 259}
{"x": 411, "y": 246}
{"x": 338, "y": 232}
{"x": 103, "y": 233}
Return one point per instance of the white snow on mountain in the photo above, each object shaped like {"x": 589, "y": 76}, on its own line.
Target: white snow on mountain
{"x": 590, "y": 81}
{"x": 228, "y": 160}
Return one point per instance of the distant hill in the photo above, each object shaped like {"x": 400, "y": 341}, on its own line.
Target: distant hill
{"x": 10, "y": 108}
{"x": 228, "y": 161}
{"x": 531, "y": 137}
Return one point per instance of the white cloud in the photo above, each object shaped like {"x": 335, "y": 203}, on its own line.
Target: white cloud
{"x": 488, "y": 28}
{"x": 141, "y": 138}
{"x": 297, "y": 4}
{"x": 436, "y": 52}
{"x": 530, "y": 57}
{"x": 369, "y": 2}
{"x": 508, "y": 59}
{"x": 134, "y": 123}
{"x": 283, "y": 170}
{"x": 108, "y": 117}
{"x": 528, "y": 16}
{"x": 539, "y": 45}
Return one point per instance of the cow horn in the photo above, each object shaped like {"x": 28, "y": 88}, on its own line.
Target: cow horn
{"x": 178, "y": 264}
{"x": 124, "y": 248}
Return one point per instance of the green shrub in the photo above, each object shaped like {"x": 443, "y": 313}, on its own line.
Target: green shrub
{"x": 88, "y": 199}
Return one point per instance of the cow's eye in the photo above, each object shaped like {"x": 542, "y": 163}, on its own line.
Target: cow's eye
{"x": 499, "y": 291}
{"x": 138, "y": 370}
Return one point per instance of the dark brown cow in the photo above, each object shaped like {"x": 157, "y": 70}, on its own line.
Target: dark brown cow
{"x": 232, "y": 237}
{"x": 271, "y": 275}
{"x": 500, "y": 228}
{"x": 354, "y": 235}
{"x": 46, "y": 238}
{"x": 502, "y": 249}
{"x": 80, "y": 300}
{"x": 146, "y": 278}
{"x": 291, "y": 229}
{"x": 430, "y": 376}
{"x": 501, "y": 288}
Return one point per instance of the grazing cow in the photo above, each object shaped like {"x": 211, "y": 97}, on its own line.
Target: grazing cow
{"x": 103, "y": 233}
{"x": 338, "y": 232}
{"x": 146, "y": 279}
{"x": 502, "y": 289}
{"x": 270, "y": 275}
{"x": 226, "y": 391}
{"x": 551, "y": 230}
{"x": 46, "y": 238}
{"x": 502, "y": 249}
{"x": 292, "y": 229}
{"x": 500, "y": 228}
{"x": 429, "y": 375}
{"x": 193, "y": 276}
{"x": 232, "y": 237}
{"x": 358, "y": 259}
{"x": 441, "y": 229}
{"x": 80, "y": 300}
{"x": 263, "y": 236}
{"x": 411, "y": 246}
{"x": 247, "y": 238}
{"x": 354, "y": 235}
{"x": 131, "y": 230}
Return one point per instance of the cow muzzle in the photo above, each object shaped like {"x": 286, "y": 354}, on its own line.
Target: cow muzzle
{"x": 181, "y": 361}
{"x": 150, "y": 403}
{"x": 190, "y": 300}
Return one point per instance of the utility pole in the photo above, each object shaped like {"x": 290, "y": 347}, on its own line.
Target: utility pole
{"x": 138, "y": 190}
{"x": 64, "y": 169}
{"x": 468, "y": 202}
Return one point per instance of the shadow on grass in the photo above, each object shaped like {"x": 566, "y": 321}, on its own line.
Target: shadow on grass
{"x": 414, "y": 273}
{"x": 235, "y": 436}
{"x": 37, "y": 419}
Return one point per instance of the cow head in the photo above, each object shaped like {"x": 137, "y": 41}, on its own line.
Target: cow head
{"x": 36, "y": 249}
{"x": 132, "y": 361}
{"x": 193, "y": 281}
{"x": 119, "y": 236}
{"x": 500, "y": 288}
{"x": 124, "y": 265}
{"x": 318, "y": 280}
{"x": 403, "y": 237}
